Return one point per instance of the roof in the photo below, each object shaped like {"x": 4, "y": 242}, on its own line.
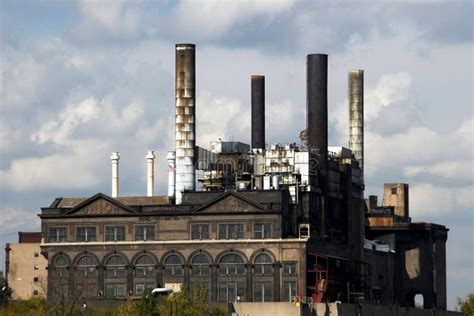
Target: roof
{"x": 29, "y": 237}
{"x": 62, "y": 202}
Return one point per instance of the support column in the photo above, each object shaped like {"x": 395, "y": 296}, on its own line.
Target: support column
{"x": 276, "y": 282}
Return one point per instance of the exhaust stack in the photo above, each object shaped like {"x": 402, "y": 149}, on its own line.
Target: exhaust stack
{"x": 185, "y": 119}
{"x": 115, "y": 157}
{"x": 171, "y": 173}
{"x": 356, "y": 117}
{"x": 258, "y": 112}
{"x": 317, "y": 109}
{"x": 150, "y": 173}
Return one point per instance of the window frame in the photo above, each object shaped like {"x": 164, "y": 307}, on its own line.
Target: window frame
{"x": 115, "y": 232}
{"x": 290, "y": 288}
{"x": 263, "y": 231}
{"x": 261, "y": 285}
{"x": 57, "y": 236}
{"x": 291, "y": 272}
{"x": 260, "y": 269}
{"x": 200, "y": 266}
{"x": 146, "y": 234}
{"x": 177, "y": 269}
{"x": 200, "y": 225}
{"x": 86, "y": 227}
{"x": 228, "y": 233}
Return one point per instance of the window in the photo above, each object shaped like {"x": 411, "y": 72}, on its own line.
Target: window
{"x": 115, "y": 267}
{"x": 61, "y": 261}
{"x": 36, "y": 255}
{"x": 229, "y": 291}
{"x": 85, "y": 234}
{"x": 263, "y": 292}
{"x": 200, "y": 265}
{"x": 289, "y": 290}
{"x": 263, "y": 264}
{"x": 35, "y": 279}
{"x": 231, "y": 264}
{"x": 231, "y": 231}
{"x": 289, "y": 268}
{"x": 145, "y": 232}
{"x": 86, "y": 267}
{"x": 394, "y": 190}
{"x": 201, "y": 289}
{"x": 145, "y": 266}
{"x": 57, "y": 234}
{"x": 173, "y": 266}
{"x": 114, "y": 233}
{"x": 35, "y": 292}
{"x": 199, "y": 231}
{"x": 36, "y": 267}
{"x": 262, "y": 230}
{"x": 140, "y": 288}
{"x": 115, "y": 290}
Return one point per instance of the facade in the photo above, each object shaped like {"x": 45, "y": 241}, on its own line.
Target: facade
{"x": 25, "y": 267}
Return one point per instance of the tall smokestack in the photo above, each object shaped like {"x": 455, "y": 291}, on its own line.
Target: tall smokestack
{"x": 356, "y": 116}
{"x": 171, "y": 172}
{"x": 150, "y": 173}
{"x": 115, "y": 157}
{"x": 258, "y": 112}
{"x": 185, "y": 119}
{"x": 317, "y": 108}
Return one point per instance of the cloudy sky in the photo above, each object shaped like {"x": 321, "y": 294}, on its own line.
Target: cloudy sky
{"x": 82, "y": 79}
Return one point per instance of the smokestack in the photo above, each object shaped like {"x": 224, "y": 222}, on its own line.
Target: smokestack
{"x": 150, "y": 173}
{"x": 171, "y": 172}
{"x": 185, "y": 119}
{"x": 258, "y": 112}
{"x": 317, "y": 108}
{"x": 356, "y": 116}
{"x": 115, "y": 173}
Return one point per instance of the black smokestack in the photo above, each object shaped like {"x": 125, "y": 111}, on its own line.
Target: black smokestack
{"x": 258, "y": 112}
{"x": 317, "y": 108}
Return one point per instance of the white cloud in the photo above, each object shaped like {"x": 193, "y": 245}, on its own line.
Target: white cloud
{"x": 59, "y": 131}
{"x": 14, "y": 218}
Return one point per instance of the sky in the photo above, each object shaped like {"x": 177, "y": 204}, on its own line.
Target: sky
{"x": 81, "y": 79}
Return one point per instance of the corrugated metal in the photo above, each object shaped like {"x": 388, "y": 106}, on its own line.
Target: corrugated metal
{"x": 185, "y": 119}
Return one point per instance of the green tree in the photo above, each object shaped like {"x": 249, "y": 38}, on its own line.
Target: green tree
{"x": 147, "y": 305}
{"x": 5, "y": 291}
{"x": 466, "y": 306}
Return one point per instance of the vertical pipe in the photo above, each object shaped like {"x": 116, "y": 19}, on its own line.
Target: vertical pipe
{"x": 258, "y": 111}
{"x": 171, "y": 172}
{"x": 115, "y": 157}
{"x": 185, "y": 119}
{"x": 356, "y": 117}
{"x": 150, "y": 173}
{"x": 317, "y": 108}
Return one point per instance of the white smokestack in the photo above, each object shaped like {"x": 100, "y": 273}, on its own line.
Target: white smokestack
{"x": 150, "y": 173}
{"x": 115, "y": 173}
{"x": 171, "y": 172}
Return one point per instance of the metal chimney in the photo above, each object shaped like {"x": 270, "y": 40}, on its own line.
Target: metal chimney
{"x": 258, "y": 112}
{"x": 185, "y": 119}
{"x": 317, "y": 109}
{"x": 356, "y": 116}
{"x": 150, "y": 173}
{"x": 115, "y": 157}
{"x": 171, "y": 157}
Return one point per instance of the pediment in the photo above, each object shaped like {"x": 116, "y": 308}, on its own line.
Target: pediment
{"x": 231, "y": 203}
{"x": 100, "y": 205}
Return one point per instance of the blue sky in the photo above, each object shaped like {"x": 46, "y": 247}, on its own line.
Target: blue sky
{"x": 81, "y": 79}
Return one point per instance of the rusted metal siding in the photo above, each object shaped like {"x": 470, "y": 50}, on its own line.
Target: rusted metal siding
{"x": 258, "y": 111}
{"x": 185, "y": 118}
{"x": 356, "y": 116}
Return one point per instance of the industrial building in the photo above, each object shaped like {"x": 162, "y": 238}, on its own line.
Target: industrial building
{"x": 254, "y": 223}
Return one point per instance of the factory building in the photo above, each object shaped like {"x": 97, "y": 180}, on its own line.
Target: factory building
{"x": 259, "y": 222}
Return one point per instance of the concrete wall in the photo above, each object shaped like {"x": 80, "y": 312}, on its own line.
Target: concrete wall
{"x": 27, "y": 274}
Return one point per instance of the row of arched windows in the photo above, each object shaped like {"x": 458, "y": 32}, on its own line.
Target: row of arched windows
{"x": 115, "y": 265}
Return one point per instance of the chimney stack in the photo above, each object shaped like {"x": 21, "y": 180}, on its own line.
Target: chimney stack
{"x": 150, "y": 173}
{"x": 171, "y": 173}
{"x": 258, "y": 112}
{"x": 356, "y": 117}
{"x": 115, "y": 157}
{"x": 185, "y": 119}
{"x": 317, "y": 109}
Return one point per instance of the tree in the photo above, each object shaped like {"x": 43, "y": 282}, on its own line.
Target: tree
{"x": 466, "y": 306}
{"x": 5, "y": 291}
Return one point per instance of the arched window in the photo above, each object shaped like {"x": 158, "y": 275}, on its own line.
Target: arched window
{"x": 173, "y": 265}
{"x": 145, "y": 266}
{"x": 61, "y": 261}
{"x": 263, "y": 264}
{"x": 231, "y": 264}
{"x": 86, "y": 267}
{"x": 115, "y": 267}
{"x": 200, "y": 265}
